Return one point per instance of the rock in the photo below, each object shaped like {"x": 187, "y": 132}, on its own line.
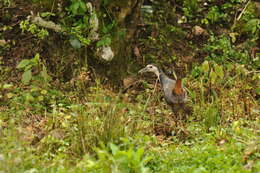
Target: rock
{"x": 3, "y": 42}
{"x": 105, "y": 53}
{"x": 197, "y": 30}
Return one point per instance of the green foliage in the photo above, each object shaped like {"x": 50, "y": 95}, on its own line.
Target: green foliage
{"x": 214, "y": 15}
{"x": 47, "y": 14}
{"x": 211, "y": 115}
{"x": 78, "y": 23}
{"x": 116, "y": 159}
{"x": 249, "y": 23}
{"x": 106, "y": 33}
{"x": 222, "y": 50}
{"x": 212, "y": 72}
{"x": 104, "y": 42}
{"x": 252, "y": 26}
{"x": 191, "y": 7}
{"x": 77, "y": 7}
{"x": 6, "y": 3}
{"x": 27, "y": 65}
{"x": 41, "y": 33}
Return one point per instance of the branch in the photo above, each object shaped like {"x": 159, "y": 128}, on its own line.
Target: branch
{"x": 45, "y": 24}
{"x": 105, "y": 52}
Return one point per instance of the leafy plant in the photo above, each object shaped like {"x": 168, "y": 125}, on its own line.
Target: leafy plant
{"x": 252, "y": 26}
{"x": 211, "y": 115}
{"x": 78, "y": 24}
{"x": 27, "y": 65}
{"x": 214, "y": 15}
{"x": 6, "y": 3}
{"x": 212, "y": 72}
{"x": 34, "y": 29}
{"x": 191, "y": 7}
{"x": 221, "y": 50}
{"x": 77, "y": 7}
{"x": 117, "y": 159}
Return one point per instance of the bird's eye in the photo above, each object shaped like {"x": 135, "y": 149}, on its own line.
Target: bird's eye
{"x": 150, "y": 67}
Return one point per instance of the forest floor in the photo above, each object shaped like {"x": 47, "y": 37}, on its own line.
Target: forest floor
{"x": 50, "y": 130}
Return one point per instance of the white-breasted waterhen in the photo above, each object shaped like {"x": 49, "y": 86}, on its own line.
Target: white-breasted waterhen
{"x": 174, "y": 93}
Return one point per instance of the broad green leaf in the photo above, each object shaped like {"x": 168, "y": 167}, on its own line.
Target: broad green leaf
{"x": 29, "y": 97}
{"x": 47, "y": 14}
{"x": 74, "y": 8}
{"x": 252, "y": 25}
{"x": 205, "y": 66}
{"x": 113, "y": 148}
{"x": 26, "y": 77}
{"x": 84, "y": 41}
{"x": 257, "y": 90}
{"x": 219, "y": 71}
{"x": 213, "y": 76}
{"x": 82, "y": 7}
{"x": 36, "y": 58}
{"x": 85, "y": 19}
{"x": 139, "y": 154}
{"x": 23, "y": 63}
{"x": 7, "y": 86}
{"x": 104, "y": 42}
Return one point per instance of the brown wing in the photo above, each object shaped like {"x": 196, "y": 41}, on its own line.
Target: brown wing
{"x": 178, "y": 88}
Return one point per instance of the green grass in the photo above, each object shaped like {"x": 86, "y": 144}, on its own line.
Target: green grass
{"x": 104, "y": 133}
{"x": 47, "y": 129}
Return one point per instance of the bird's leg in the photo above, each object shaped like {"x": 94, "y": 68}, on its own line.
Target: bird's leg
{"x": 175, "y": 112}
{"x": 179, "y": 111}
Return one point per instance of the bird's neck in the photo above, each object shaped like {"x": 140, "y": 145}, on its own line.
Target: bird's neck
{"x": 159, "y": 72}
{"x": 161, "y": 76}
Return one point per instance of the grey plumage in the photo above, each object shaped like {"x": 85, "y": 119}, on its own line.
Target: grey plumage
{"x": 168, "y": 86}
{"x": 175, "y": 95}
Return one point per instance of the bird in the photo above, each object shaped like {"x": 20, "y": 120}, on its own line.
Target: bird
{"x": 175, "y": 94}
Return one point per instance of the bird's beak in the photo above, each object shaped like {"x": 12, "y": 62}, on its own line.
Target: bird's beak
{"x": 142, "y": 70}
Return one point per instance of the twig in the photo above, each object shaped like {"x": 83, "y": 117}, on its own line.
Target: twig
{"x": 148, "y": 99}
{"x": 155, "y": 86}
{"x": 240, "y": 15}
{"x": 243, "y": 11}
{"x": 53, "y": 6}
{"x": 256, "y": 71}
{"x": 133, "y": 84}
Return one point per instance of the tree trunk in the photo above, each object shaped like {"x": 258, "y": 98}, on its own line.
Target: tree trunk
{"x": 126, "y": 14}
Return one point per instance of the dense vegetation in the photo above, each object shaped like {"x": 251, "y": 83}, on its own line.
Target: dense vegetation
{"x": 71, "y": 99}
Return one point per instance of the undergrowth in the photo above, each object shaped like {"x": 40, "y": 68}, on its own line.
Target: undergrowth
{"x": 44, "y": 129}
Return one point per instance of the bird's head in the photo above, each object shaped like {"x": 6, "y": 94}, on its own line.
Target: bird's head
{"x": 150, "y": 68}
